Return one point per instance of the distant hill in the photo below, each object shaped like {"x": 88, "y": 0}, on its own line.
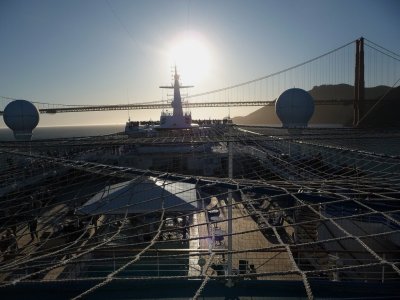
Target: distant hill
{"x": 385, "y": 114}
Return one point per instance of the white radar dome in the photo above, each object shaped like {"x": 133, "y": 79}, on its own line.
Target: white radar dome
{"x": 21, "y": 117}
{"x": 294, "y": 108}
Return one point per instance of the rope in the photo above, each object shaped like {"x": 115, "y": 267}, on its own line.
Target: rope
{"x": 63, "y": 262}
{"x": 206, "y": 278}
{"x": 368, "y": 173}
{"x": 110, "y": 276}
{"x": 377, "y": 102}
{"x": 290, "y": 254}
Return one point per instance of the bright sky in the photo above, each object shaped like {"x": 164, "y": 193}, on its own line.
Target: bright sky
{"x": 119, "y": 51}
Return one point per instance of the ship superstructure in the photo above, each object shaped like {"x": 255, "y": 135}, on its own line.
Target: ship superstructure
{"x": 178, "y": 119}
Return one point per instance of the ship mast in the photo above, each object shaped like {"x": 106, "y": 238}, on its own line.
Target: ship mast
{"x": 177, "y": 101}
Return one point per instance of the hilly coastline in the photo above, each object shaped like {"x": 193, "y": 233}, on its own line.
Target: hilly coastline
{"x": 384, "y": 114}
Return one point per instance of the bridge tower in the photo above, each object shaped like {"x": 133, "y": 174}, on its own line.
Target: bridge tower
{"x": 359, "y": 83}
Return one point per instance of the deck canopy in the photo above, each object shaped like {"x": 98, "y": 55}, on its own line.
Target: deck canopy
{"x": 142, "y": 195}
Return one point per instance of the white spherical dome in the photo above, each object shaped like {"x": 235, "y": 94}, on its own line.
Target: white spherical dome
{"x": 294, "y": 108}
{"x": 22, "y": 117}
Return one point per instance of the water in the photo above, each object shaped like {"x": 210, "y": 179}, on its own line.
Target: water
{"x": 65, "y": 131}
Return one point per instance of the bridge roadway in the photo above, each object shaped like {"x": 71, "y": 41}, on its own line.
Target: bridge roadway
{"x": 85, "y": 108}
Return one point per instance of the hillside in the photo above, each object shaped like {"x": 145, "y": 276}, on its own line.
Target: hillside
{"x": 383, "y": 115}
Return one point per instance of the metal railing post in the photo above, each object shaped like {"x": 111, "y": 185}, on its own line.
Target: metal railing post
{"x": 230, "y": 174}
{"x": 383, "y": 268}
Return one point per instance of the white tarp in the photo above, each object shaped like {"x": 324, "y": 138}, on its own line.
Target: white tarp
{"x": 142, "y": 195}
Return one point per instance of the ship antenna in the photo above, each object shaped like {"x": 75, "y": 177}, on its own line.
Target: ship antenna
{"x": 127, "y": 96}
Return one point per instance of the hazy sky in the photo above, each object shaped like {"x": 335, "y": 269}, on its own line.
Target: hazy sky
{"x": 115, "y": 51}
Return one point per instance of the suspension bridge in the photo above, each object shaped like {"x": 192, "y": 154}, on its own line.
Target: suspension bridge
{"x": 361, "y": 65}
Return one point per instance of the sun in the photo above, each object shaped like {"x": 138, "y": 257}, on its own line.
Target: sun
{"x": 191, "y": 55}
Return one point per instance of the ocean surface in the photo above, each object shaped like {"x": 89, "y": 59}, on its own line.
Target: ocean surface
{"x": 65, "y": 131}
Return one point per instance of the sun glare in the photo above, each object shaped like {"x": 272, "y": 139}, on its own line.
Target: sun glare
{"x": 191, "y": 56}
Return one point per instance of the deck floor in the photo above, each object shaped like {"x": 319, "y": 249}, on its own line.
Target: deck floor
{"x": 263, "y": 261}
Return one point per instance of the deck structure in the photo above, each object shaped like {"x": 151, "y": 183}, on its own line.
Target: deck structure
{"x": 310, "y": 206}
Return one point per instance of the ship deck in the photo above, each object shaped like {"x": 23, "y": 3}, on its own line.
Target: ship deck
{"x": 307, "y": 207}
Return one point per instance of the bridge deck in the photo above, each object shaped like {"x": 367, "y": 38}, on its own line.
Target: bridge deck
{"x": 52, "y": 109}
